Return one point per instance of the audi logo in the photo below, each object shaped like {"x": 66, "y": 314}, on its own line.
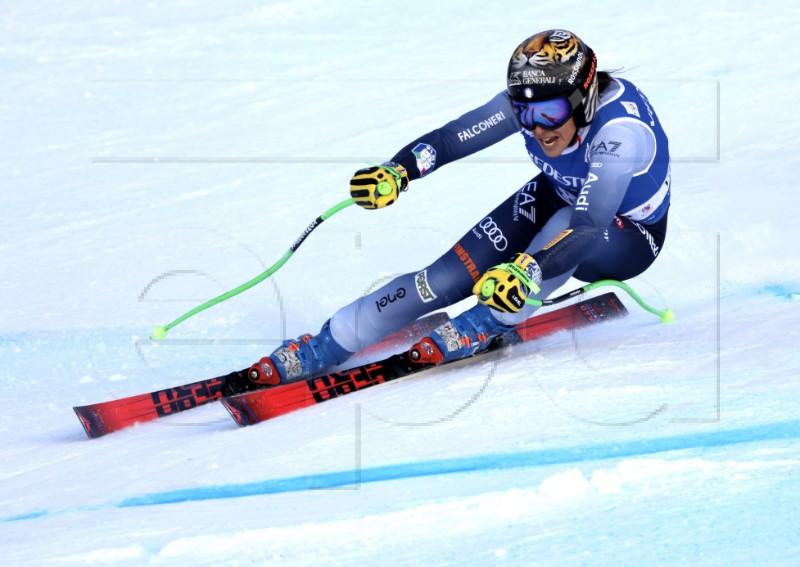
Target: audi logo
{"x": 493, "y": 232}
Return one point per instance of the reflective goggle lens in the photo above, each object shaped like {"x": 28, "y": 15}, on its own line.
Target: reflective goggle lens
{"x": 548, "y": 114}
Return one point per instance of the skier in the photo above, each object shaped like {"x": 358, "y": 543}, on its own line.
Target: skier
{"x": 597, "y": 209}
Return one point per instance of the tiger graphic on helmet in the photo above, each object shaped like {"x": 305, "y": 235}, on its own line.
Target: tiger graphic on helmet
{"x": 546, "y": 48}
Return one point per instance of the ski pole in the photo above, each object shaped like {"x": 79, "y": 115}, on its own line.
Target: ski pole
{"x": 666, "y": 316}
{"x": 161, "y": 331}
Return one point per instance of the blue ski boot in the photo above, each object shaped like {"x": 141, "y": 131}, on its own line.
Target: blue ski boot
{"x": 462, "y": 336}
{"x": 305, "y": 357}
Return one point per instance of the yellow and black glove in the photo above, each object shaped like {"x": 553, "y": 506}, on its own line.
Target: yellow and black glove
{"x": 378, "y": 186}
{"x": 507, "y": 286}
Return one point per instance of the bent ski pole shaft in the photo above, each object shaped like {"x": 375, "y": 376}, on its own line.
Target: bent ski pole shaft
{"x": 666, "y": 315}
{"x": 161, "y": 332}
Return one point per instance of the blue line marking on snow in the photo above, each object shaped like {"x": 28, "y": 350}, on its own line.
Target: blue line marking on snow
{"x": 541, "y": 457}
{"x": 782, "y": 291}
{"x": 29, "y": 516}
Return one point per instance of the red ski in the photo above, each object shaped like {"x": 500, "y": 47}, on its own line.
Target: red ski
{"x": 107, "y": 417}
{"x": 255, "y": 407}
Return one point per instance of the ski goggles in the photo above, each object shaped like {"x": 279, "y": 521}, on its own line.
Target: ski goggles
{"x": 549, "y": 114}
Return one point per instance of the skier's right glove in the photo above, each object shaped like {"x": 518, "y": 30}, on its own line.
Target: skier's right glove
{"x": 507, "y": 286}
{"x": 378, "y": 186}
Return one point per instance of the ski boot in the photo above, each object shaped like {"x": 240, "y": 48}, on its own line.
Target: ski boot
{"x": 305, "y": 357}
{"x": 462, "y": 336}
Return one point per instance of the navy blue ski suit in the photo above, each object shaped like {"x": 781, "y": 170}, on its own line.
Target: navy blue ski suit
{"x": 599, "y": 210}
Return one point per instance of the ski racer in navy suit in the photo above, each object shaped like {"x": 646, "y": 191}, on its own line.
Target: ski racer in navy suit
{"x": 597, "y": 209}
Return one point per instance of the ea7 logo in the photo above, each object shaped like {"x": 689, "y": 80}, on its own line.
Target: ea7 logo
{"x": 606, "y": 147}
{"x": 524, "y": 197}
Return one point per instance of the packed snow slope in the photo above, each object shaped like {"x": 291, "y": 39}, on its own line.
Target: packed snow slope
{"x": 154, "y": 155}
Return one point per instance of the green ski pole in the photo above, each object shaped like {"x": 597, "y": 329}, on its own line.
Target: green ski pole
{"x": 160, "y": 332}
{"x": 666, "y": 315}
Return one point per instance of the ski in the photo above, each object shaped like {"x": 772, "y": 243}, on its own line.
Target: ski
{"x": 106, "y": 417}
{"x": 255, "y": 407}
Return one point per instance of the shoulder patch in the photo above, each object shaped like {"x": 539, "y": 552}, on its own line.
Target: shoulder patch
{"x": 631, "y": 108}
{"x": 426, "y": 157}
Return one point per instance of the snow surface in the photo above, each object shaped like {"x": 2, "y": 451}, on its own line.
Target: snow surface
{"x": 156, "y": 154}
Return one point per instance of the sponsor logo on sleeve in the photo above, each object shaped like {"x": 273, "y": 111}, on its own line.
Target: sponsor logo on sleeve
{"x": 607, "y": 148}
{"x": 482, "y": 126}
{"x": 426, "y": 158}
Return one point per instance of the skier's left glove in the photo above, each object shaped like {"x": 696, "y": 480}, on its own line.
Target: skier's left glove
{"x": 378, "y": 186}
{"x": 507, "y": 286}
